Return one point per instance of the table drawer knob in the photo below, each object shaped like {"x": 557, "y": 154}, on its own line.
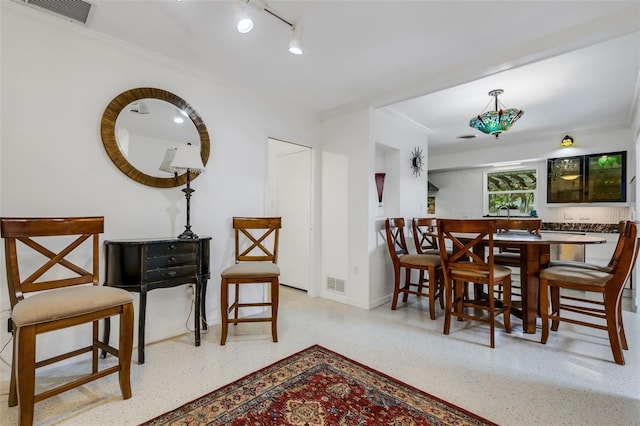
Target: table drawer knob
{"x": 172, "y": 259}
{"x": 172, "y": 273}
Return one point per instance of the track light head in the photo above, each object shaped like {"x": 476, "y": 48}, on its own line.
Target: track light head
{"x": 244, "y": 23}
{"x": 295, "y": 45}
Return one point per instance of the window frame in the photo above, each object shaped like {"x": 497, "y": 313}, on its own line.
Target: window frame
{"x": 486, "y": 192}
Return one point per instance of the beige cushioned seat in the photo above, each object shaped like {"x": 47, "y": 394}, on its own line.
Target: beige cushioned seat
{"x": 419, "y": 259}
{"x": 66, "y": 303}
{"x": 251, "y": 270}
{"x": 499, "y": 272}
{"x": 578, "y": 264}
{"x": 576, "y": 275}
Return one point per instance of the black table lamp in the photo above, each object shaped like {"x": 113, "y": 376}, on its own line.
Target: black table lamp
{"x": 184, "y": 158}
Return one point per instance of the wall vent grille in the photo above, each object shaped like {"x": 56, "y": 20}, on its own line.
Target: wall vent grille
{"x": 77, "y": 10}
{"x": 335, "y": 284}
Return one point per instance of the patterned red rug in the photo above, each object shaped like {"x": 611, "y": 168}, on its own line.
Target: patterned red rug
{"x": 318, "y": 387}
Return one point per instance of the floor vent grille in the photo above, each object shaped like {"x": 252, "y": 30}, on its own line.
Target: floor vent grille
{"x": 335, "y": 284}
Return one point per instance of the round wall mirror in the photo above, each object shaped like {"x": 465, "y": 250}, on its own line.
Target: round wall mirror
{"x": 139, "y": 125}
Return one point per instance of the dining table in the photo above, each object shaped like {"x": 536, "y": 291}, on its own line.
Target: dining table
{"x": 535, "y": 255}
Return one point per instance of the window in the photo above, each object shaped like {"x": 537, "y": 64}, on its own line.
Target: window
{"x": 514, "y": 188}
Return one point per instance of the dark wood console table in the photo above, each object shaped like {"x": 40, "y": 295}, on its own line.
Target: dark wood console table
{"x": 146, "y": 264}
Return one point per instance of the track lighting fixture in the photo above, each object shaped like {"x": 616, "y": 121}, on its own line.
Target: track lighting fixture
{"x": 245, "y": 23}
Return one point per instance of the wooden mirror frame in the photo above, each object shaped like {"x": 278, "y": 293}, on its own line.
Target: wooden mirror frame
{"x": 108, "y": 133}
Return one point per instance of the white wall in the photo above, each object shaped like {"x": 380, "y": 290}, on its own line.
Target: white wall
{"x": 484, "y": 150}
{"x": 405, "y": 194}
{"x": 57, "y": 79}
{"x": 344, "y": 228}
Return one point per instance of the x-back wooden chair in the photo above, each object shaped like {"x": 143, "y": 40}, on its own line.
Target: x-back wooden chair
{"x": 466, "y": 263}
{"x": 429, "y": 286}
{"x": 65, "y": 295}
{"x": 601, "y": 305}
{"x": 256, "y": 257}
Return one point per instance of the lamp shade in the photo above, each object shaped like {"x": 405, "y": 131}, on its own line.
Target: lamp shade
{"x": 184, "y": 157}
{"x": 567, "y": 141}
{"x": 497, "y": 121}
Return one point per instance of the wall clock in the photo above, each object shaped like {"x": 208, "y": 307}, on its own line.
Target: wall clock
{"x": 417, "y": 161}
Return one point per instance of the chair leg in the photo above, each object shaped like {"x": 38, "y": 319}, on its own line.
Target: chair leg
{"x": 407, "y": 280}
{"x": 555, "y": 306}
{"x": 448, "y": 306}
{"x": 623, "y": 337}
{"x": 492, "y": 315}
{"x": 125, "y": 348}
{"x": 441, "y": 287}
{"x": 224, "y": 308}
{"x": 460, "y": 294}
{"x": 396, "y": 287}
{"x": 94, "y": 351}
{"x": 421, "y": 281}
{"x": 236, "y": 308}
{"x": 275, "y": 292}
{"x": 25, "y": 360}
{"x": 506, "y": 300}
{"x": 433, "y": 282}
{"x": 611, "y": 315}
{"x": 13, "y": 395}
{"x": 544, "y": 309}
{"x": 106, "y": 336}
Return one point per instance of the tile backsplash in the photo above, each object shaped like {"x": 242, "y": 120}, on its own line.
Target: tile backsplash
{"x": 588, "y": 214}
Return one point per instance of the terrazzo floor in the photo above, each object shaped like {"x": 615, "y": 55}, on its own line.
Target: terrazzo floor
{"x": 572, "y": 380}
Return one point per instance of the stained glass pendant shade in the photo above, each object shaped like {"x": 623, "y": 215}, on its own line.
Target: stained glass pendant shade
{"x": 497, "y": 121}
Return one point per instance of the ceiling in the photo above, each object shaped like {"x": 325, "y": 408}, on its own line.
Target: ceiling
{"x": 570, "y": 65}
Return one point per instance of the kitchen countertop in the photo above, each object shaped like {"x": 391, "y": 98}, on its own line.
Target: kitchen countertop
{"x": 606, "y": 228}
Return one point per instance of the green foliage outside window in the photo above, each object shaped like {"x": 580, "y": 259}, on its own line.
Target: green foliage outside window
{"x": 515, "y": 189}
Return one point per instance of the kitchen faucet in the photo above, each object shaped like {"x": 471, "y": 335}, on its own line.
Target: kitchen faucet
{"x": 508, "y": 212}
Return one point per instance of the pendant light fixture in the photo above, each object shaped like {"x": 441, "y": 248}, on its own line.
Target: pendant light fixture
{"x": 497, "y": 121}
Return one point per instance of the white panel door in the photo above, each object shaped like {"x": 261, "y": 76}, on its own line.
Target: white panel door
{"x": 293, "y": 204}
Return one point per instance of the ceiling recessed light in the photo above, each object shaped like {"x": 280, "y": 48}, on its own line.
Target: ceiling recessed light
{"x": 466, "y": 137}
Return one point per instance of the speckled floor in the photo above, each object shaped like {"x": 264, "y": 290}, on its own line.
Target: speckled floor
{"x": 571, "y": 380}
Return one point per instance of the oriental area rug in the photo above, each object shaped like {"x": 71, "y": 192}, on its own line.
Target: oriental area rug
{"x": 317, "y": 387}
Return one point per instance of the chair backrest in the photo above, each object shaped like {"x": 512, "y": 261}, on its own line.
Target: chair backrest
{"x": 531, "y": 226}
{"x": 425, "y": 233}
{"x": 469, "y": 238}
{"x": 627, "y": 258}
{"x": 617, "y": 252}
{"x": 34, "y": 234}
{"x": 396, "y": 242}
{"x": 257, "y": 238}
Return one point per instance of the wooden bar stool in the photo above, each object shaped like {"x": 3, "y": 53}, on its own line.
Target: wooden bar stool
{"x": 467, "y": 264}
{"x": 429, "y": 285}
{"x": 64, "y": 295}
{"x": 256, "y": 256}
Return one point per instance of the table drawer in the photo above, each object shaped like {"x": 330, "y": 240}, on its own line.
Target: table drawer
{"x": 162, "y": 274}
{"x": 172, "y": 248}
{"x": 171, "y": 260}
